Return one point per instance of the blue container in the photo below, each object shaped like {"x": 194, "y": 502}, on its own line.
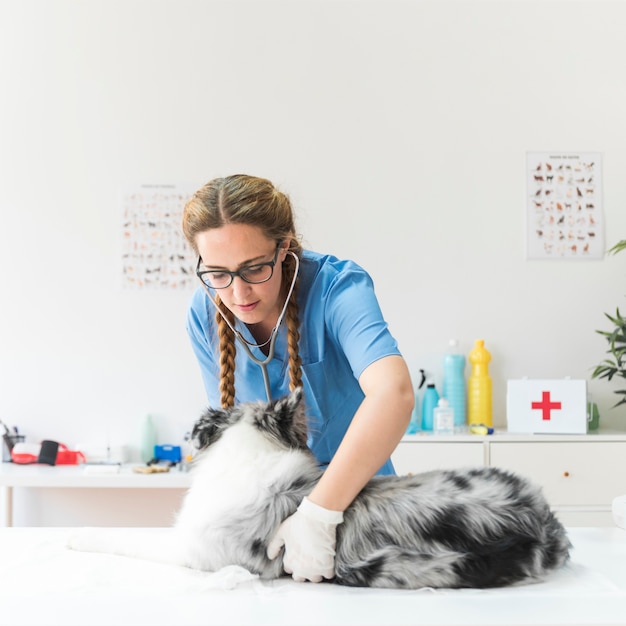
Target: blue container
{"x": 454, "y": 386}
{"x": 429, "y": 403}
{"x": 414, "y": 424}
{"x": 167, "y": 453}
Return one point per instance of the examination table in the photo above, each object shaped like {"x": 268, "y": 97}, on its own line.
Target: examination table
{"x": 43, "y": 583}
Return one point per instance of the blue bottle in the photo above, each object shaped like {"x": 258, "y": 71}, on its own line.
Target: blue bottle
{"x": 454, "y": 388}
{"x": 429, "y": 403}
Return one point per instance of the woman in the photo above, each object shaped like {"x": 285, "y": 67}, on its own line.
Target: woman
{"x": 334, "y": 343}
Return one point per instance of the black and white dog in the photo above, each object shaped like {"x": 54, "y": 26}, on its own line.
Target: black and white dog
{"x": 479, "y": 527}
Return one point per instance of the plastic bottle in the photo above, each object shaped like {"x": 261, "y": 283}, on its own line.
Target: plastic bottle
{"x": 454, "y": 388}
{"x": 414, "y": 424}
{"x": 187, "y": 456}
{"x": 479, "y": 387}
{"x": 443, "y": 418}
{"x": 431, "y": 398}
{"x": 148, "y": 439}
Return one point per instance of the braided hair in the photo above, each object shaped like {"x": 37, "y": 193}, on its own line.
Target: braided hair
{"x": 243, "y": 199}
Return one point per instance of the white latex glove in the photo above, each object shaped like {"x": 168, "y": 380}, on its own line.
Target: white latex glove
{"x": 309, "y": 537}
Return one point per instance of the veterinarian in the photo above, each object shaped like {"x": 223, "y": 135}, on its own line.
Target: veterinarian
{"x": 270, "y": 317}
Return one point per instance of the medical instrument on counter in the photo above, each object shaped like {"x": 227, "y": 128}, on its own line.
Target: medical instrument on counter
{"x": 10, "y": 438}
{"x": 6, "y": 453}
{"x": 247, "y": 345}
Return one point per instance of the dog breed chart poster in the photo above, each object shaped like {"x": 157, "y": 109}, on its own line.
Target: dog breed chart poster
{"x": 564, "y": 206}
{"x": 155, "y": 253}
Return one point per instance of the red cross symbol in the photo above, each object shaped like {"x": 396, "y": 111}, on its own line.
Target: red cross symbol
{"x": 545, "y": 405}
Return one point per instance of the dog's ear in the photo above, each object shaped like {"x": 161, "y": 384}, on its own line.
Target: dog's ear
{"x": 292, "y": 400}
{"x": 208, "y": 428}
{"x": 291, "y": 410}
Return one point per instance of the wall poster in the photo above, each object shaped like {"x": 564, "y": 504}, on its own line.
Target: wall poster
{"x": 155, "y": 254}
{"x": 564, "y": 215}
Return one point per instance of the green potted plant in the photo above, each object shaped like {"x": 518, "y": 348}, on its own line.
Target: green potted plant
{"x": 615, "y": 364}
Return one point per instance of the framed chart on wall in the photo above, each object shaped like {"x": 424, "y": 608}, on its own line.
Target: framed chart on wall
{"x": 564, "y": 215}
{"x": 155, "y": 254}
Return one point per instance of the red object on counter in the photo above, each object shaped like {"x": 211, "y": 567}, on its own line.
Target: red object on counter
{"x": 26, "y": 453}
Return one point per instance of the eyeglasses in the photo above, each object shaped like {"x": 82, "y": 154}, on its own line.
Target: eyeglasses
{"x": 254, "y": 274}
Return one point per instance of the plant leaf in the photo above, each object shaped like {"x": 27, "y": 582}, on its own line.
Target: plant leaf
{"x": 618, "y": 247}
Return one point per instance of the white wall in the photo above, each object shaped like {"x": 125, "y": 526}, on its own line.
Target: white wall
{"x": 399, "y": 129}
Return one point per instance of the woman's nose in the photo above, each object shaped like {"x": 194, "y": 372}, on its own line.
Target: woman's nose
{"x": 239, "y": 286}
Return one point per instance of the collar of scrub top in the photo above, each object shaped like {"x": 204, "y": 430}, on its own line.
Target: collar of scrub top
{"x": 247, "y": 345}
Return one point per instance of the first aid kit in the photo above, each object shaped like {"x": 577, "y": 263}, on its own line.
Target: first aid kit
{"x": 547, "y": 406}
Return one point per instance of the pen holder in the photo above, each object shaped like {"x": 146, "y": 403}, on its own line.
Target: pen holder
{"x": 8, "y": 441}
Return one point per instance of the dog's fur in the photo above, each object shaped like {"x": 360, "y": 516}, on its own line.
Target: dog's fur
{"x": 480, "y": 527}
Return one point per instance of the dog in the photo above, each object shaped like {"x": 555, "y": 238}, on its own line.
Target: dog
{"x": 478, "y": 527}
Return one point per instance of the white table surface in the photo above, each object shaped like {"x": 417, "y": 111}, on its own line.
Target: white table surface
{"x": 42, "y": 583}
{"x": 41, "y": 475}
{"x": 14, "y": 475}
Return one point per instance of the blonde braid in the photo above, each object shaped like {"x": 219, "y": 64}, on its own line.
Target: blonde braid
{"x": 228, "y": 349}
{"x": 293, "y": 333}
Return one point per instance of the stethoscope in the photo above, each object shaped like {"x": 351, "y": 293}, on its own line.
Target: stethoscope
{"x": 248, "y": 345}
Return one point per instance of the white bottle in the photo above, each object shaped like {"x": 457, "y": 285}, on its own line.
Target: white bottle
{"x": 443, "y": 418}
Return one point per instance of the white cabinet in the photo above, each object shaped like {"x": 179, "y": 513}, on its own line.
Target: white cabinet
{"x": 580, "y": 474}
{"x": 423, "y": 456}
{"x": 579, "y": 478}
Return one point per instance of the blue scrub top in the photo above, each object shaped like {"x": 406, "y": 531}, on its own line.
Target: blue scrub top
{"x": 342, "y": 331}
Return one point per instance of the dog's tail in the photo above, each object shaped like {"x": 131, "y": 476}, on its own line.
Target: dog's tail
{"x": 557, "y": 544}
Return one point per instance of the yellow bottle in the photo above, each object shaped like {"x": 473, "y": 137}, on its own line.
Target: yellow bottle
{"x": 479, "y": 391}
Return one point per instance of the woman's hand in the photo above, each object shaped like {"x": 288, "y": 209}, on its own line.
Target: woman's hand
{"x": 309, "y": 538}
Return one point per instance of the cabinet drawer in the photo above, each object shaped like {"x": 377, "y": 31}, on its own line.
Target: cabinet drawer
{"x": 571, "y": 473}
{"x": 414, "y": 457}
